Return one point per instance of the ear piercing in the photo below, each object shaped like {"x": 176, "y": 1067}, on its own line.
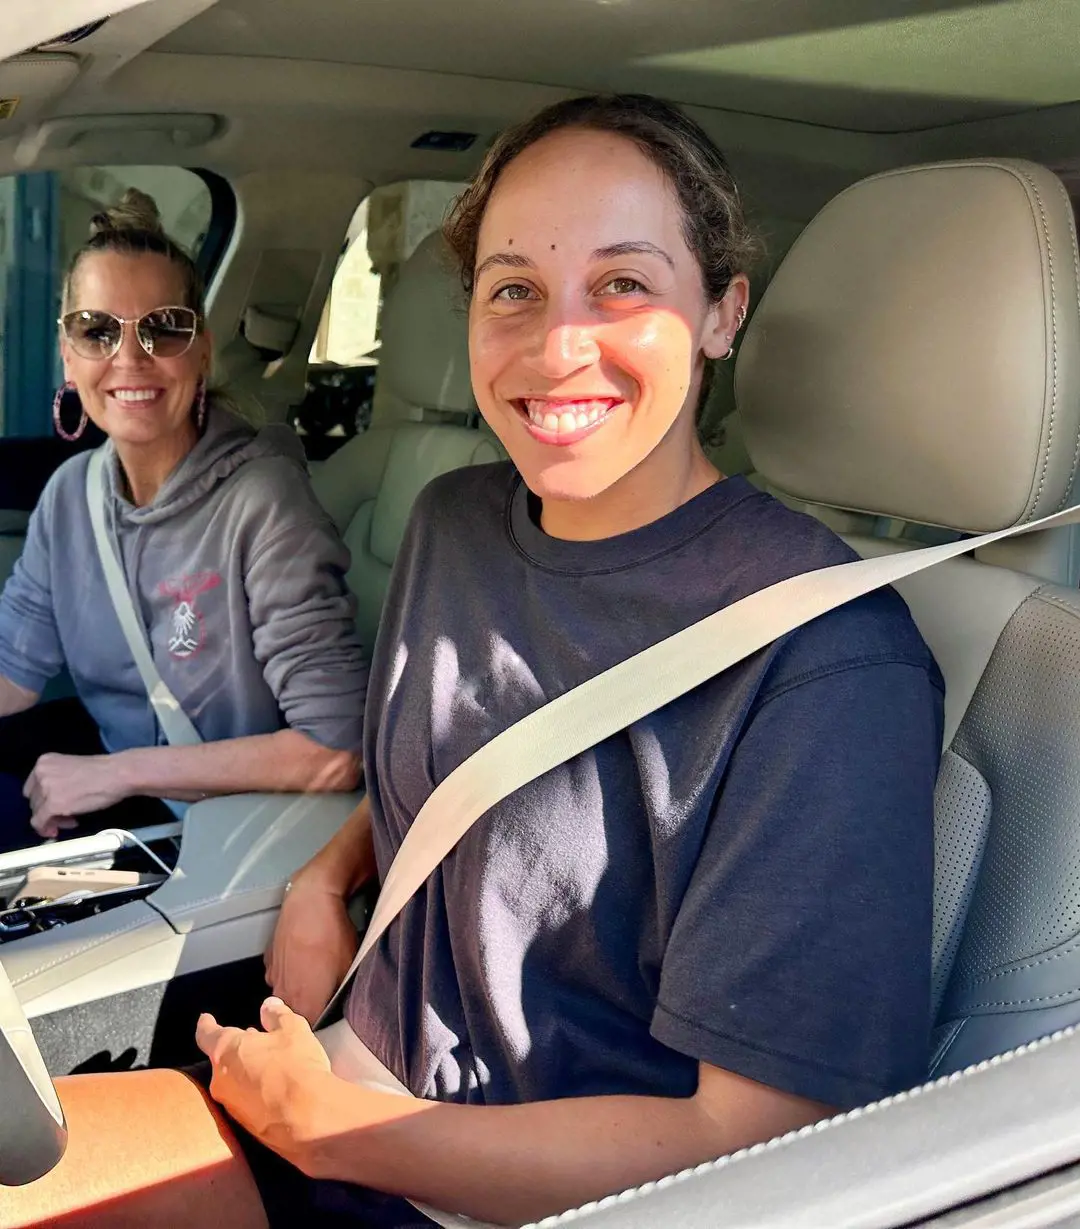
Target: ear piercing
{"x": 740, "y": 320}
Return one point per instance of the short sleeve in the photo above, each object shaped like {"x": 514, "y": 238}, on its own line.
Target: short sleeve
{"x": 800, "y": 954}
{"x": 30, "y": 648}
{"x": 304, "y": 632}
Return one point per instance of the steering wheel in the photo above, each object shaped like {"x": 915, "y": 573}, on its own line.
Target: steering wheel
{"x": 33, "y": 1133}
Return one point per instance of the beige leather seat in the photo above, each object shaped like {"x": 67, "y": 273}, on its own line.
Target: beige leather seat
{"x": 727, "y": 451}
{"x": 424, "y": 357}
{"x": 369, "y": 485}
{"x": 917, "y": 357}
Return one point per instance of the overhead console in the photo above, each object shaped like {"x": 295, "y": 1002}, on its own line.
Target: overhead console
{"x": 64, "y": 75}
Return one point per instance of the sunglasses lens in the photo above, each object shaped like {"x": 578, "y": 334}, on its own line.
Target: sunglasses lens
{"x": 168, "y": 332}
{"x": 92, "y": 334}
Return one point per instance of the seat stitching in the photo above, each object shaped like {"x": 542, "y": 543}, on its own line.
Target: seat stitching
{"x": 1074, "y": 944}
{"x": 1052, "y": 599}
{"x": 1076, "y": 275}
{"x": 1042, "y": 998}
{"x": 1063, "y": 502}
{"x": 957, "y": 1027}
{"x": 87, "y": 947}
{"x": 782, "y": 1142}
{"x": 221, "y": 898}
{"x": 1046, "y": 958}
{"x": 1033, "y": 188}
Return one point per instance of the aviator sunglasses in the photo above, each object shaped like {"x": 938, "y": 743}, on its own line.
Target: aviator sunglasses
{"x": 166, "y": 332}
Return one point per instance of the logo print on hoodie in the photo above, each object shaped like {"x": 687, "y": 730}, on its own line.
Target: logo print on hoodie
{"x": 188, "y": 630}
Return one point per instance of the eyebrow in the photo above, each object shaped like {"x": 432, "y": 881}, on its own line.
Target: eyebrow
{"x": 632, "y": 247}
{"x": 629, "y": 247}
{"x": 514, "y": 260}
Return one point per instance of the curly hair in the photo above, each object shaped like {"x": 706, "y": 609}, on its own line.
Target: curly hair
{"x": 714, "y": 223}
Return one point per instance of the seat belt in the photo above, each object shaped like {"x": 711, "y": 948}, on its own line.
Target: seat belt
{"x": 594, "y": 711}
{"x": 174, "y": 722}
{"x": 616, "y": 698}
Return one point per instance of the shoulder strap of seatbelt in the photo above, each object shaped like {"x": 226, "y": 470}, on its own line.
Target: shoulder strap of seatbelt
{"x": 171, "y": 717}
{"x": 600, "y": 707}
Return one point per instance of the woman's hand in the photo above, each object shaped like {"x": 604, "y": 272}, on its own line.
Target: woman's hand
{"x": 63, "y": 786}
{"x": 312, "y": 947}
{"x": 259, "y": 1077}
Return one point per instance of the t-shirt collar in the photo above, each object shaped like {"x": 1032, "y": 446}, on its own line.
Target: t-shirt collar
{"x": 626, "y": 549}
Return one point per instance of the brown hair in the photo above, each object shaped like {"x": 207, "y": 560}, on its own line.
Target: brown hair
{"x": 714, "y": 224}
{"x": 131, "y": 227}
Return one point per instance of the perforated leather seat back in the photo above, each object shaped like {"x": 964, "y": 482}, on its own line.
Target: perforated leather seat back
{"x": 917, "y": 356}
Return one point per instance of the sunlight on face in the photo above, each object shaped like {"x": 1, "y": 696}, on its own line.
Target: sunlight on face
{"x": 136, "y": 398}
{"x": 588, "y": 324}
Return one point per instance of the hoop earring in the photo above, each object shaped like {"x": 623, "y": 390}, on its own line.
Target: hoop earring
{"x": 200, "y": 406}
{"x": 58, "y": 423}
{"x": 731, "y": 350}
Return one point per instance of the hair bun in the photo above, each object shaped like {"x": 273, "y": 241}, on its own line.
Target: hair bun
{"x": 135, "y": 211}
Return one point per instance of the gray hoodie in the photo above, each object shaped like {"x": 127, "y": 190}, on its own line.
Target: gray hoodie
{"x": 239, "y": 576}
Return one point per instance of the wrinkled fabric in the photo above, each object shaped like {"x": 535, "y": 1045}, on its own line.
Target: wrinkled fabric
{"x": 238, "y": 575}
{"x": 742, "y": 878}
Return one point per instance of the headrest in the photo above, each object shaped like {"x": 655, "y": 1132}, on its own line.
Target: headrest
{"x": 917, "y": 354}
{"x": 425, "y": 343}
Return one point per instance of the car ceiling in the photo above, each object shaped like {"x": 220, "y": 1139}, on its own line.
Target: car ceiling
{"x": 882, "y": 66}
{"x": 805, "y": 96}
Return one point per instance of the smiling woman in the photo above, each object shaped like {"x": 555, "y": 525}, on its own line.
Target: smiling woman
{"x": 663, "y": 290}
{"x": 703, "y": 932}
{"x": 142, "y": 398}
{"x": 235, "y": 571}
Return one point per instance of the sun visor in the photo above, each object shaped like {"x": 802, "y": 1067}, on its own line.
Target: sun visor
{"x": 29, "y": 83}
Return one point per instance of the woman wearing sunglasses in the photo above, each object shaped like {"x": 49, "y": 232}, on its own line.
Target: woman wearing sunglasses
{"x": 234, "y": 569}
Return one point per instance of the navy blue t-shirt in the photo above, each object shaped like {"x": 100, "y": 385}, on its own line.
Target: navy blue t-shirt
{"x": 742, "y": 878}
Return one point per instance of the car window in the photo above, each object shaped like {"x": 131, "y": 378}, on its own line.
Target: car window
{"x": 44, "y": 218}
{"x": 343, "y": 389}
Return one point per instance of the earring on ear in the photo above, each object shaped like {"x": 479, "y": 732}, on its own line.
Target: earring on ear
{"x": 200, "y": 405}
{"x": 58, "y": 422}
{"x": 740, "y": 320}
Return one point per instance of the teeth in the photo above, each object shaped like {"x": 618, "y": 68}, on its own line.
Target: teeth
{"x": 135, "y": 394}
{"x": 581, "y": 415}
